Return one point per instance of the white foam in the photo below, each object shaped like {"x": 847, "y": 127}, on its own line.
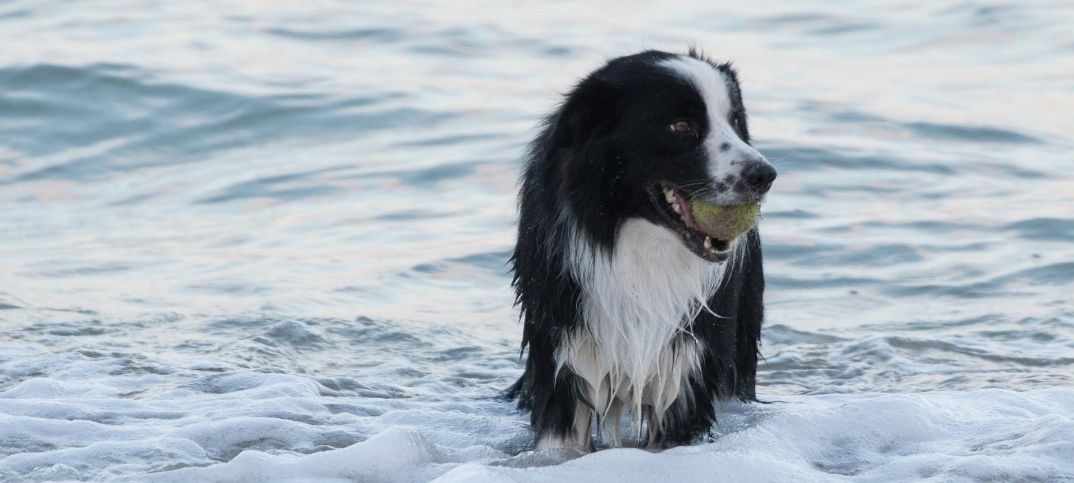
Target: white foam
{"x": 392, "y": 455}
{"x": 91, "y": 414}
{"x": 982, "y": 434}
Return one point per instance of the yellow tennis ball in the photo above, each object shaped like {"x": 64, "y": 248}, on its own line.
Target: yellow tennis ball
{"x": 725, "y": 222}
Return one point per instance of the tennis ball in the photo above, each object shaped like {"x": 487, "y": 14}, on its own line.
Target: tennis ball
{"x": 724, "y": 222}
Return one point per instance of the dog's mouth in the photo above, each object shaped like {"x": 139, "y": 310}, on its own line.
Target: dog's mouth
{"x": 674, "y": 208}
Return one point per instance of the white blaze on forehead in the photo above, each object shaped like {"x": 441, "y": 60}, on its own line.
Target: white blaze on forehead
{"x": 709, "y": 82}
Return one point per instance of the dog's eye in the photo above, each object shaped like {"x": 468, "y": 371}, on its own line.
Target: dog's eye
{"x": 736, "y": 123}
{"x": 683, "y": 128}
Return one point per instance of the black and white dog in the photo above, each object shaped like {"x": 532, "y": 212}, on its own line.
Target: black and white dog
{"x": 627, "y": 305}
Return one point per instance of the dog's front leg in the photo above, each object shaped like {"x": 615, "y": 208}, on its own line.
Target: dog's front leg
{"x": 573, "y": 435}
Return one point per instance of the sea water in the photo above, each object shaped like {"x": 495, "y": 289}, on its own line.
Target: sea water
{"x": 253, "y": 241}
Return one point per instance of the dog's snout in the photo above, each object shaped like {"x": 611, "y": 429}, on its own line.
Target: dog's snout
{"x": 758, "y": 176}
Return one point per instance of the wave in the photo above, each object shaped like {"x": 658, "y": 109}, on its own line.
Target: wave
{"x": 977, "y": 435}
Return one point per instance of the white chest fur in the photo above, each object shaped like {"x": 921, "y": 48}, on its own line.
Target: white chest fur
{"x": 635, "y": 351}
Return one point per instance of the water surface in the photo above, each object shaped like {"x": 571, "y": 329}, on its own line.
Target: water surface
{"x": 267, "y": 240}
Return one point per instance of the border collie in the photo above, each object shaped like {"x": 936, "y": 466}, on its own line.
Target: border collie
{"x": 628, "y": 306}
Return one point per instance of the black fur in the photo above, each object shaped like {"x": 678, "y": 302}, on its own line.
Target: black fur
{"x": 596, "y": 158}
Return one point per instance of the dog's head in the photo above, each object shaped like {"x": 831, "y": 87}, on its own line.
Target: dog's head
{"x": 649, "y": 134}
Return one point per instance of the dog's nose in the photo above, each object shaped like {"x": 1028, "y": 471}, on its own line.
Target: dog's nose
{"x": 758, "y": 176}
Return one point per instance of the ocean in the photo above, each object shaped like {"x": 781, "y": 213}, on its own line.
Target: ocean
{"x": 266, "y": 241}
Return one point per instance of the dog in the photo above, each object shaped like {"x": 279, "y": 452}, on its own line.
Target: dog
{"x": 628, "y": 307}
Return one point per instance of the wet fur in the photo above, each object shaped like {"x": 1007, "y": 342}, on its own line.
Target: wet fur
{"x": 619, "y": 317}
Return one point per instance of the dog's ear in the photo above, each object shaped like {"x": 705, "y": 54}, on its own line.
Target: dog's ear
{"x": 590, "y": 111}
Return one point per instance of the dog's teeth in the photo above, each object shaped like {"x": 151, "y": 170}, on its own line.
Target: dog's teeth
{"x": 669, "y": 196}
{"x": 708, "y": 243}
{"x": 675, "y": 206}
